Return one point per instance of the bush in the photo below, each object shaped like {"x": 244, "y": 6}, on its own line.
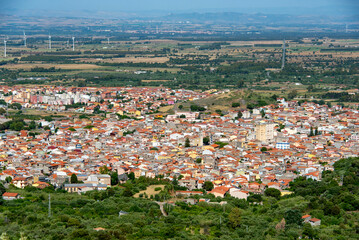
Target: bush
{"x": 234, "y": 105}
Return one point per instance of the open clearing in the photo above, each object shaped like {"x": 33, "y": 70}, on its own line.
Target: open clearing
{"x": 150, "y": 190}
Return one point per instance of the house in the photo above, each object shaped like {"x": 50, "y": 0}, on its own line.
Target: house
{"x": 21, "y": 182}
{"x": 84, "y": 187}
{"x": 120, "y": 213}
{"x": 10, "y": 196}
{"x": 275, "y": 185}
{"x": 40, "y": 185}
{"x": 315, "y": 222}
{"x": 99, "y": 229}
{"x": 188, "y": 193}
{"x": 99, "y": 179}
{"x": 191, "y": 201}
{"x": 311, "y": 221}
{"x": 306, "y": 218}
{"x": 237, "y": 193}
{"x": 219, "y": 191}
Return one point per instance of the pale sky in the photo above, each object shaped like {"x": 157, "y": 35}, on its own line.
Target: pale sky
{"x": 343, "y": 7}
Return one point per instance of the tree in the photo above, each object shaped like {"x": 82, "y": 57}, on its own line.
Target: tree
{"x": 240, "y": 114}
{"x": 17, "y": 126}
{"x": 272, "y": 192}
{"x": 104, "y": 169}
{"x": 15, "y": 106}
{"x": 274, "y": 97}
{"x": 2, "y": 189}
{"x": 264, "y": 149}
{"x": 208, "y": 186}
{"x": 310, "y": 88}
{"x": 187, "y": 143}
{"x": 114, "y": 178}
{"x": 292, "y": 94}
{"x": 180, "y": 107}
{"x": 131, "y": 176}
{"x": 311, "y": 132}
{"x": 32, "y": 125}
{"x": 235, "y": 105}
{"x": 206, "y": 140}
{"x": 308, "y": 231}
{"x": 234, "y": 218}
{"x": 198, "y": 160}
{"x": 127, "y": 192}
{"x": 255, "y": 198}
{"x": 8, "y": 179}
{"x": 74, "y": 178}
{"x": 263, "y": 113}
{"x": 293, "y": 216}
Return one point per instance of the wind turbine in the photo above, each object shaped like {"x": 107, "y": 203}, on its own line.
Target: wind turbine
{"x": 49, "y": 41}
{"x": 73, "y": 43}
{"x": 24, "y": 39}
{"x": 283, "y": 56}
{"x": 5, "y": 47}
{"x": 108, "y": 41}
{"x": 67, "y": 43}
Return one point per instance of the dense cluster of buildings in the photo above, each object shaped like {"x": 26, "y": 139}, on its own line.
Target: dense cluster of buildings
{"x": 238, "y": 155}
{"x": 138, "y": 101}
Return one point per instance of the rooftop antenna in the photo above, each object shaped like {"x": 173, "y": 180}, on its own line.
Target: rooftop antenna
{"x": 73, "y": 43}
{"x": 5, "y": 47}
{"x": 49, "y": 41}
{"x": 24, "y": 39}
{"x": 283, "y": 56}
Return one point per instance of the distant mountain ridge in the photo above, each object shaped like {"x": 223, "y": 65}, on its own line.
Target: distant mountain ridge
{"x": 235, "y": 17}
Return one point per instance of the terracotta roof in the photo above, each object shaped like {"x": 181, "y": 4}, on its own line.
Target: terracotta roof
{"x": 9, "y": 194}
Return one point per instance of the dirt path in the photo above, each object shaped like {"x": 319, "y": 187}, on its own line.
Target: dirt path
{"x": 162, "y": 209}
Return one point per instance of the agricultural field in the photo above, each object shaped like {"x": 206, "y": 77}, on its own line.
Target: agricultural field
{"x": 320, "y": 64}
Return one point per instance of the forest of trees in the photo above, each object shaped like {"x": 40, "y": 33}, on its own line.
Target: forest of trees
{"x": 267, "y": 216}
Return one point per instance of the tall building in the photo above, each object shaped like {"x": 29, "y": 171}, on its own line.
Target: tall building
{"x": 264, "y": 132}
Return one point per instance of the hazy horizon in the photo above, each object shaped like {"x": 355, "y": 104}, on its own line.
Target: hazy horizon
{"x": 69, "y": 7}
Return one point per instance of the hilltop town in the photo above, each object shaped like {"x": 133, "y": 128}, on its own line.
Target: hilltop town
{"x": 121, "y": 130}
